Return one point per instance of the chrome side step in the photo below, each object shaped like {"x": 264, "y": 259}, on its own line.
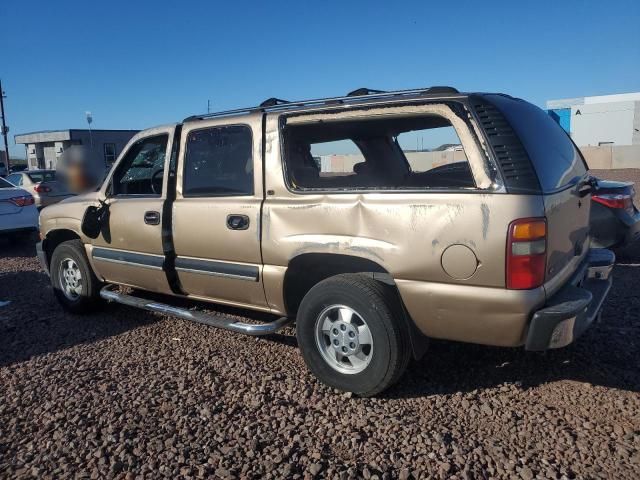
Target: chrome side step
{"x": 218, "y": 321}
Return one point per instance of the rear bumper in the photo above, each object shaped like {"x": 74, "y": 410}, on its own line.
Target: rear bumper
{"x": 614, "y": 227}
{"x": 568, "y": 313}
{"x": 24, "y": 220}
{"x": 632, "y": 223}
{"x": 13, "y": 231}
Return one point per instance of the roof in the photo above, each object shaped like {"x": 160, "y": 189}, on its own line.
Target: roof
{"x": 361, "y": 96}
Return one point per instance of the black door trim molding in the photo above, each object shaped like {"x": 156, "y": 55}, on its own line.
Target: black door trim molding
{"x": 123, "y": 257}
{"x": 218, "y": 269}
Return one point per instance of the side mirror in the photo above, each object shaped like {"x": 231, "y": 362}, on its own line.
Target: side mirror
{"x": 93, "y": 219}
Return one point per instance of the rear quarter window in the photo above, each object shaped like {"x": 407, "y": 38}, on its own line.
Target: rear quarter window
{"x": 406, "y": 152}
{"x": 555, "y": 158}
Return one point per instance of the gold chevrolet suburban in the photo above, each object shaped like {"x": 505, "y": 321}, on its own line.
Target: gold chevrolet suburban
{"x": 334, "y": 214}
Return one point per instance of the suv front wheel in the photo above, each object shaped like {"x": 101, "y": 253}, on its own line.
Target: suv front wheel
{"x": 351, "y": 335}
{"x": 74, "y": 283}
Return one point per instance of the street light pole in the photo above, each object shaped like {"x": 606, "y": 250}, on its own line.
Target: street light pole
{"x": 5, "y": 129}
{"x": 89, "y": 120}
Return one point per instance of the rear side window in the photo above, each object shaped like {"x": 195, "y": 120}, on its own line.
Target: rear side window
{"x": 218, "y": 162}
{"x": 393, "y": 153}
{"x": 37, "y": 177}
{"x": 556, "y": 160}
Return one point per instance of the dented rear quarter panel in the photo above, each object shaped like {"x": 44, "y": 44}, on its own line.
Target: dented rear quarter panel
{"x": 406, "y": 233}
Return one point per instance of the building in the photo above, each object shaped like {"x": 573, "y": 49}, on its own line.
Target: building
{"x": 600, "y": 120}
{"x": 44, "y": 148}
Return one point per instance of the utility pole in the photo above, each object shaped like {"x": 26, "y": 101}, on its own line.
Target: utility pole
{"x": 5, "y": 129}
{"x": 208, "y": 106}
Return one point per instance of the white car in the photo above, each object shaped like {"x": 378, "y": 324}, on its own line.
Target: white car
{"x": 18, "y": 213}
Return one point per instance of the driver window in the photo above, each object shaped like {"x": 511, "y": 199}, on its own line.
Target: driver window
{"x": 141, "y": 170}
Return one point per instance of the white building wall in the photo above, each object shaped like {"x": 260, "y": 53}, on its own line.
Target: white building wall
{"x": 419, "y": 161}
{"x": 616, "y": 97}
{"x": 600, "y": 123}
{"x": 35, "y": 156}
{"x": 49, "y": 150}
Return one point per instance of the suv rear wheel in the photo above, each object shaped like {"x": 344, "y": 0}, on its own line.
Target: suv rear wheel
{"x": 74, "y": 283}
{"x": 351, "y": 335}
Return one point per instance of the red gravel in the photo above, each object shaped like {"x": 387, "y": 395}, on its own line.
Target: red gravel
{"x": 128, "y": 394}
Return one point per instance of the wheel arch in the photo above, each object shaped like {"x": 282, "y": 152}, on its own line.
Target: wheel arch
{"x": 55, "y": 238}
{"x": 308, "y": 269}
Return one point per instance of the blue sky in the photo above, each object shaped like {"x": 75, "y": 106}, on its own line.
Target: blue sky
{"x": 136, "y": 64}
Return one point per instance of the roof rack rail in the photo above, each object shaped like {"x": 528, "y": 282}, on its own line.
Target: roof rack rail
{"x": 273, "y": 101}
{"x": 276, "y": 104}
{"x": 363, "y": 91}
{"x": 442, "y": 89}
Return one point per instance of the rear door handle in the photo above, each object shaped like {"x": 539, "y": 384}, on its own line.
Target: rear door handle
{"x": 152, "y": 218}
{"x": 237, "y": 222}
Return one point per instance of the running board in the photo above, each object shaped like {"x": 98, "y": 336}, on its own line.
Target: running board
{"x": 218, "y": 321}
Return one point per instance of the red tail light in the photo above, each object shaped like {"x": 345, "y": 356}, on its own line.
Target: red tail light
{"x": 526, "y": 253}
{"x": 22, "y": 201}
{"x": 42, "y": 188}
{"x": 614, "y": 201}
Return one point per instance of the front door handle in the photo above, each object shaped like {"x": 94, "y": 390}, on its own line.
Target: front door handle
{"x": 237, "y": 222}
{"x": 152, "y": 218}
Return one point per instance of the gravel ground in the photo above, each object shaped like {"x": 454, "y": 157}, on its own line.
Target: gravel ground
{"x": 127, "y": 394}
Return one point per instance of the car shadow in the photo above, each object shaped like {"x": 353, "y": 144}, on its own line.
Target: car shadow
{"x": 33, "y": 323}
{"x": 286, "y": 336}
{"x": 450, "y": 368}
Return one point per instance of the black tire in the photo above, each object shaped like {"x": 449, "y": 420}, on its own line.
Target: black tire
{"x": 88, "y": 296}
{"x": 379, "y": 306}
